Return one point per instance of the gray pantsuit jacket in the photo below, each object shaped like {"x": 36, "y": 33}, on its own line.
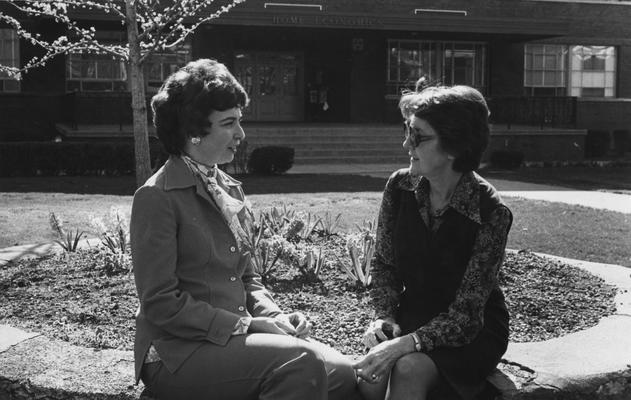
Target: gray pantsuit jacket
{"x": 193, "y": 282}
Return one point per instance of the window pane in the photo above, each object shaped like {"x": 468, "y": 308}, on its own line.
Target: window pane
{"x": 9, "y": 56}
{"x": 593, "y": 92}
{"x": 105, "y": 70}
{"x": 267, "y": 80}
{"x": 289, "y": 81}
{"x": 393, "y": 58}
{"x": 609, "y": 80}
{"x": 409, "y": 67}
{"x": 244, "y": 74}
{"x": 549, "y": 79}
{"x": 88, "y": 69}
{"x": 550, "y": 61}
{"x": 440, "y": 62}
{"x": 537, "y": 78}
{"x": 546, "y": 68}
{"x": 97, "y": 86}
{"x": 11, "y": 85}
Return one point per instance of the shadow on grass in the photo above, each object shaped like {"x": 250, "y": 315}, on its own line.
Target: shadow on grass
{"x": 252, "y": 184}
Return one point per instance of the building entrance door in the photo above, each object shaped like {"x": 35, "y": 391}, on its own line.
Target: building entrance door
{"x": 274, "y": 82}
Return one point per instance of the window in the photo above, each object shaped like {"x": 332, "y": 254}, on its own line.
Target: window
{"x": 545, "y": 70}
{"x": 448, "y": 63}
{"x": 9, "y": 56}
{"x": 593, "y": 71}
{"x": 95, "y": 73}
{"x": 161, "y": 65}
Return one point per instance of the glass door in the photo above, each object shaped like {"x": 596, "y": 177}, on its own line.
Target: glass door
{"x": 274, "y": 83}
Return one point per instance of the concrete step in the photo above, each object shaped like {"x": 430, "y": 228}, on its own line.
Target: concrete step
{"x": 342, "y": 152}
{"x": 325, "y": 139}
{"x": 378, "y": 146}
{"x": 361, "y": 159}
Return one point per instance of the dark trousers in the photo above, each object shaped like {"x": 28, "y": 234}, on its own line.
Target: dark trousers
{"x": 257, "y": 366}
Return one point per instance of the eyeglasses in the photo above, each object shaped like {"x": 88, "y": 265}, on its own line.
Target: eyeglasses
{"x": 415, "y": 138}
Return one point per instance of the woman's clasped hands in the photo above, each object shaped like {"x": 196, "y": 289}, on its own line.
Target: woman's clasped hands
{"x": 385, "y": 346}
{"x": 293, "y": 324}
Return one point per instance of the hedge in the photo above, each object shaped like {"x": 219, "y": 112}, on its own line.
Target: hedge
{"x": 71, "y": 158}
{"x": 506, "y": 159}
{"x": 271, "y": 160}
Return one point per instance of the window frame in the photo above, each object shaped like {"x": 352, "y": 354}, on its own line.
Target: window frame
{"x": 433, "y": 52}
{"x": 587, "y": 75}
{"x": 544, "y": 50}
{"x": 7, "y": 83}
{"x": 182, "y": 55}
{"x": 575, "y": 72}
{"x": 116, "y": 84}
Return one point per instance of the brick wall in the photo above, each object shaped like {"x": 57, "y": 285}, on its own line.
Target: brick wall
{"x": 540, "y": 146}
{"x": 624, "y": 71}
{"x": 604, "y": 114}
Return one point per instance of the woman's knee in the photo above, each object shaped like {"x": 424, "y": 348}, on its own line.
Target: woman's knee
{"x": 311, "y": 362}
{"x": 415, "y": 367}
{"x": 342, "y": 381}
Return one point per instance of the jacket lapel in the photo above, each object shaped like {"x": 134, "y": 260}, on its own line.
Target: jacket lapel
{"x": 179, "y": 176}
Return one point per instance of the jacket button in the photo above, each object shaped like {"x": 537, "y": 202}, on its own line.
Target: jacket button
{"x": 233, "y": 249}
{"x": 241, "y": 308}
{"x": 233, "y": 278}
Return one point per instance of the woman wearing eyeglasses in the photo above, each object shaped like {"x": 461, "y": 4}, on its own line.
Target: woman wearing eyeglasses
{"x": 441, "y": 236}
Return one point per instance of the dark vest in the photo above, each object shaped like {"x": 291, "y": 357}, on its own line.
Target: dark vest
{"x": 432, "y": 265}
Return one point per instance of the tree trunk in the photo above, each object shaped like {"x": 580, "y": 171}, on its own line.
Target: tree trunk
{"x": 138, "y": 97}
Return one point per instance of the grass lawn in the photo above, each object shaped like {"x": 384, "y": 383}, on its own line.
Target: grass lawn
{"x": 553, "y": 228}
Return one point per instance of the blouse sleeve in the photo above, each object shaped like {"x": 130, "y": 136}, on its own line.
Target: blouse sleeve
{"x": 465, "y": 316}
{"x": 386, "y": 285}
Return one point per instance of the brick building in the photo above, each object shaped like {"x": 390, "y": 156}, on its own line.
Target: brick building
{"x": 555, "y": 72}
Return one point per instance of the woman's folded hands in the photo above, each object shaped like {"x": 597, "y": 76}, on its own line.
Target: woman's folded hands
{"x": 293, "y": 324}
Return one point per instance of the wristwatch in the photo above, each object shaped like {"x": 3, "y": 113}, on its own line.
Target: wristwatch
{"x": 417, "y": 341}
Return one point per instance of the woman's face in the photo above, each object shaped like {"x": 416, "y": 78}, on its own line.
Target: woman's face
{"x": 427, "y": 156}
{"x": 224, "y": 136}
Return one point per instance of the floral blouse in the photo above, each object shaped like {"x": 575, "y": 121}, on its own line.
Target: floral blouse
{"x": 465, "y": 316}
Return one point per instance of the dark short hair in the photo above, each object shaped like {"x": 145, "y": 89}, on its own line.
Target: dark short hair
{"x": 188, "y": 96}
{"x": 460, "y": 117}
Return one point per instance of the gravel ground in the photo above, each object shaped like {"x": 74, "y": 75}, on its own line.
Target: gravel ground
{"x": 85, "y": 299}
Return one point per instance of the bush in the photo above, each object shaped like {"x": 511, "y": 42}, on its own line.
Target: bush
{"x": 71, "y": 158}
{"x": 507, "y": 159}
{"x": 597, "y": 143}
{"x": 271, "y": 160}
{"x": 622, "y": 141}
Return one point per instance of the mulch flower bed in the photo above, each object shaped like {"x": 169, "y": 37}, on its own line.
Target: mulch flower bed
{"x": 86, "y": 298}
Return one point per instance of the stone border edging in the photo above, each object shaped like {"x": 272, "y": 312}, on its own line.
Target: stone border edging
{"x": 593, "y": 364}
{"x": 577, "y": 366}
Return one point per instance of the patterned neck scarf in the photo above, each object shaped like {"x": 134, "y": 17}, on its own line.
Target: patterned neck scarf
{"x": 233, "y": 209}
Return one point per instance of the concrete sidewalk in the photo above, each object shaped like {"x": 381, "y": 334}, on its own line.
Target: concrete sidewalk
{"x": 594, "y": 199}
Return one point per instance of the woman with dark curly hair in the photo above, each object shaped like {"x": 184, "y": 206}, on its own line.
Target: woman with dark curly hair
{"x": 206, "y": 326}
{"x": 441, "y": 236}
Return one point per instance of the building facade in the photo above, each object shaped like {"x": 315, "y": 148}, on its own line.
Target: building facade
{"x": 554, "y": 63}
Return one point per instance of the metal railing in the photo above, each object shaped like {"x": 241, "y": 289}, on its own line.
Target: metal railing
{"x": 555, "y": 112}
